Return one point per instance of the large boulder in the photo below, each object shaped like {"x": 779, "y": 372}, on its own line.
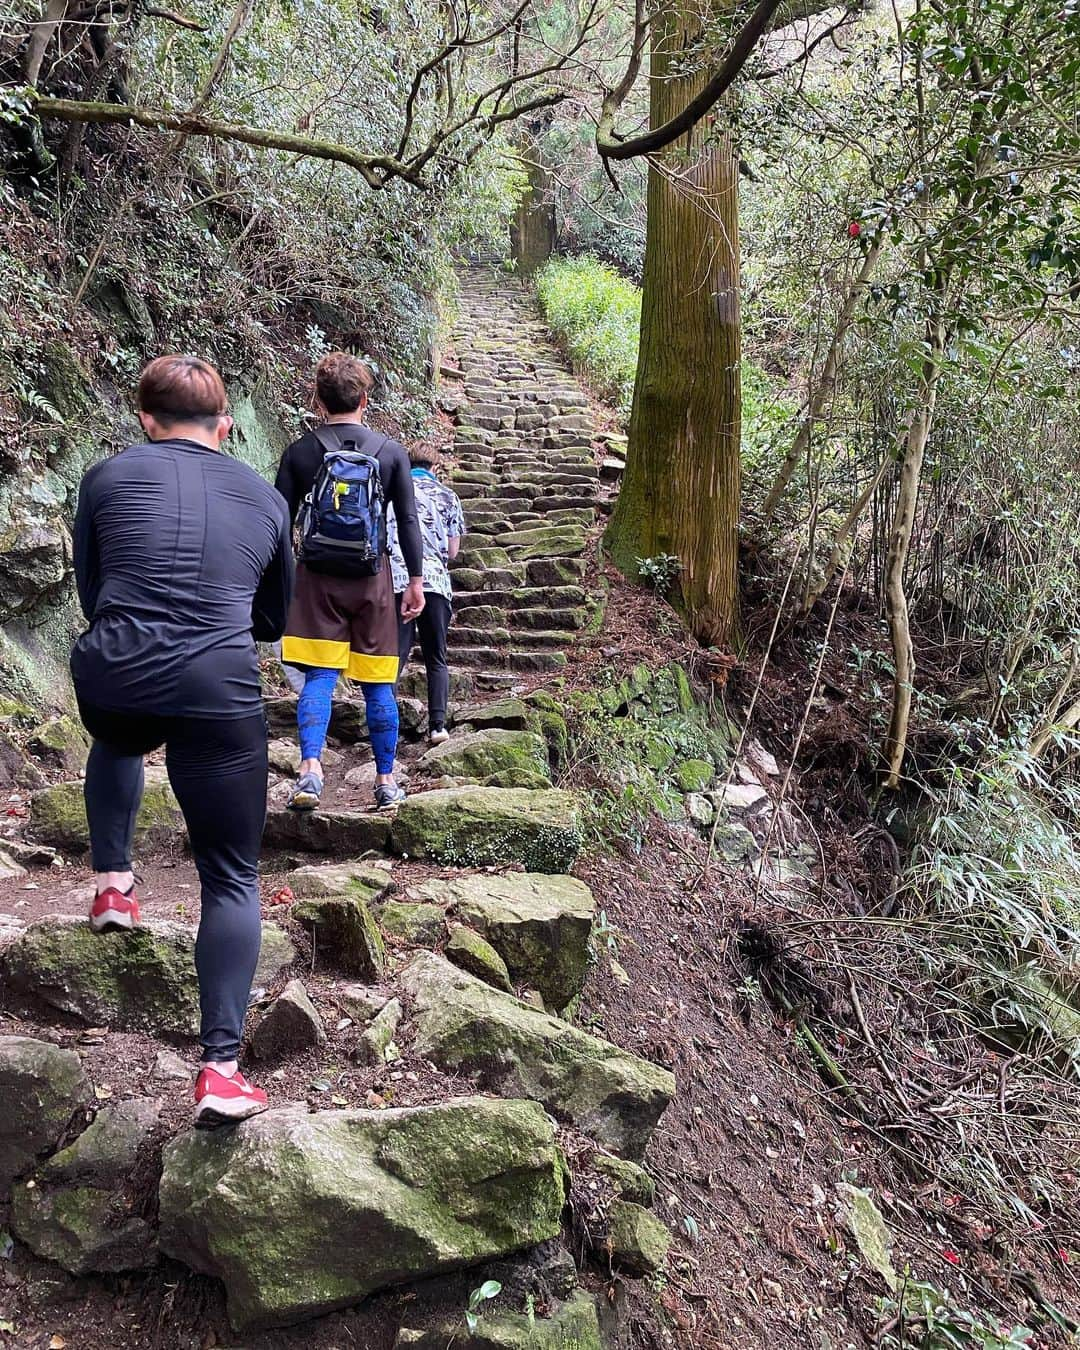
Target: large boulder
{"x": 365, "y": 881}
{"x": 465, "y": 1026}
{"x": 344, "y": 934}
{"x": 82, "y": 1210}
{"x": 58, "y": 815}
{"x": 538, "y": 924}
{"x": 291, "y": 1024}
{"x": 342, "y": 832}
{"x": 42, "y": 1087}
{"x": 299, "y": 1213}
{"x": 488, "y": 753}
{"x": 475, "y": 826}
{"x": 572, "y": 1325}
{"x": 138, "y": 981}
{"x": 62, "y": 742}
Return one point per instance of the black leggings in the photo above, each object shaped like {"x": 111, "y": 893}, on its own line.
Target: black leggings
{"x": 218, "y": 771}
{"x": 433, "y": 623}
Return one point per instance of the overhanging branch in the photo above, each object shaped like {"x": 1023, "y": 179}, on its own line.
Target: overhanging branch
{"x": 376, "y": 170}
{"x": 611, "y": 146}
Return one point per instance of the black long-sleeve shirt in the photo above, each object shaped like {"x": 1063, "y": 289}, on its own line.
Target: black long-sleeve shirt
{"x": 183, "y": 561}
{"x": 303, "y": 459}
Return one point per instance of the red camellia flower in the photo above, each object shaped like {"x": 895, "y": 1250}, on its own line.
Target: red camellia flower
{"x": 951, "y": 1256}
{"x": 854, "y": 230}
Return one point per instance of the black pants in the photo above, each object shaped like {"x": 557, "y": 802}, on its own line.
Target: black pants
{"x": 433, "y": 623}
{"x": 217, "y": 769}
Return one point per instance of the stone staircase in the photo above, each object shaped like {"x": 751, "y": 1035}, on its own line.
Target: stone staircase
{"x": 444, "y": 945}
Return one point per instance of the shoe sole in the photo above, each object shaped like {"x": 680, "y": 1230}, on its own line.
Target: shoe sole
{"x": 213, "y": 1112}
{"x": 438, "y": 740}
{"x": 303, "y": 801}
{"x": 389, "y": 806}
{"x": 111, "y": 923}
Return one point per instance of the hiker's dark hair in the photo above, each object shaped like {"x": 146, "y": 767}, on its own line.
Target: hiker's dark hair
{"x": 342, "y": 382}
{"x": 179, "y": 388}
{"x": 426, "y": 457}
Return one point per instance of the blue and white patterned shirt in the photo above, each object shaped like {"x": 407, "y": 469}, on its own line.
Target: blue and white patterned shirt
{"x": 441, "y": 519}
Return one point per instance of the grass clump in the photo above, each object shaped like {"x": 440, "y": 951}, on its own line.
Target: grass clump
{"x": 596, "y": 314}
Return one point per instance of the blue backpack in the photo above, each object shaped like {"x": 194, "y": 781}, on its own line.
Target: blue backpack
{"x": 342, "y": 522}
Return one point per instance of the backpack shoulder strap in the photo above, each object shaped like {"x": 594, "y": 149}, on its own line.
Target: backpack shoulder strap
{"x": 331, "y": 440}
{"x": 328, "y": 437}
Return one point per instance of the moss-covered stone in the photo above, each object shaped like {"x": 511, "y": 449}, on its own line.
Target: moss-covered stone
{"x": 538, "y": 924}
{"x": 291, "y": 1024}
{"x": 14, "y": 710}
{"x": 345, "y": 934}
{"x": 475, "y": 826}
{"x": 138, "y": 981}
{"x": 548, "y": 541}
{"x": 469, "y": 579}
{"x": 377, "y": 1038}
{"x": 491, "y": 751}
{"x": 404, "y": 1193}
{"x": 42, "y": 1087}
{"x": 511, "y": 714}
{"x": 78, "y": 1211}
{"x": 362, "y": 881}
{"x": 631, "y": 1181}
{"x": 58, "y": 816}
{"x": 694, "y": 775}
{"x": 422, "y": 924}
{"x": 475, "y": 954}
{"x": 466, "y": 1026}
{"x": 342, "y": 833}
{"x": 573, "y": 1325}
{"x": 61, "y": 742}
{"x": 638, "y": 1241}
{"x": 864, "y": 1222}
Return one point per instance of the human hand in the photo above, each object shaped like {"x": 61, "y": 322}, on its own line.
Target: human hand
{"x": 412, "y": 599}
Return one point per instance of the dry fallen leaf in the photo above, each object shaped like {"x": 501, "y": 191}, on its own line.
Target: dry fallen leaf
{"x": 57, "y": 1343}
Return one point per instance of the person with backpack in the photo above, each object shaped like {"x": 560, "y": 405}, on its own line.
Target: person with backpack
{"x": 442, "y": 525}
{"x": 183, "y": 561}
{"x": 338, "y": 481}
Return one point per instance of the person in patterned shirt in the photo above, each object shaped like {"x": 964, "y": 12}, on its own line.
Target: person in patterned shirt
{"x": 442, "y": 525}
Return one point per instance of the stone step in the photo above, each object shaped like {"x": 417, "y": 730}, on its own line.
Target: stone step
{"x": 465, "y": 635}
{"x": 525, "y": 597}
{"x": 510, "y": 659}
{"x": 488, "y": 616}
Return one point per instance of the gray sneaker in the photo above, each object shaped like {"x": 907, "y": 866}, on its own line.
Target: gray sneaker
{"x": 388, "y": 794}
{"x": 306, "y": 792}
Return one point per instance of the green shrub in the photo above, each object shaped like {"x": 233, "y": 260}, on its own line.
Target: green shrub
{"x": 595, "y": 314}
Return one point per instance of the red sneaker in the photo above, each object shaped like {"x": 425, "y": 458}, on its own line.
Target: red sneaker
{"x": 113, "y": 911}
{"x": 225, "y": 1101}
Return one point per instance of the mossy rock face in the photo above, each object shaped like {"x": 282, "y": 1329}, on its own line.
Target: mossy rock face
{"x": 694, "y": 775}
{"x": 518, "y": 778}
{"x": 14, "y": 710}
{"x": 549, "y": 541}
{"x": 555, "y": 571}
{"x": 345, "y": 934}
{"x": 289, "y": 1025}
{"x": 483, "y": 754}
{"x": 476, "y": 826}
{"x": 476, "y": 955}
{"x": 77, "y": 1213}
{"x": 139, "y": 981}
{"x": 538, "y": 924}
{"x": 573, "y": 1325}
{"x": 421, "y": 924}
{"x": 468, "y": 579}
{"x": 511, "y": 714}
{"x": 639, "y": 1241}
{"x": 61, "y": 741}
{"x": 405, "y": 1194}
{"x": 482, "y": 558}
{"x": 631, "y": 1181}
{"x": 58, "y": 816}
{"x": 42, "y": 1087}
{"x": 464, "y": 1025}
{"x": 337, "y": 832}
{"x": 363, "y": 881}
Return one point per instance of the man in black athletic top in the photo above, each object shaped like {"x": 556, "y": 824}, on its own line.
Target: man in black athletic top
{"x": 183, "y": 561}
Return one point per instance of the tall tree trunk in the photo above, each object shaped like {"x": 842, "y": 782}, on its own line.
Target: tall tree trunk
{"x": 532, "y": 232}
{"x": 899, "y": 541}
{"x": 680, "y": 490}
